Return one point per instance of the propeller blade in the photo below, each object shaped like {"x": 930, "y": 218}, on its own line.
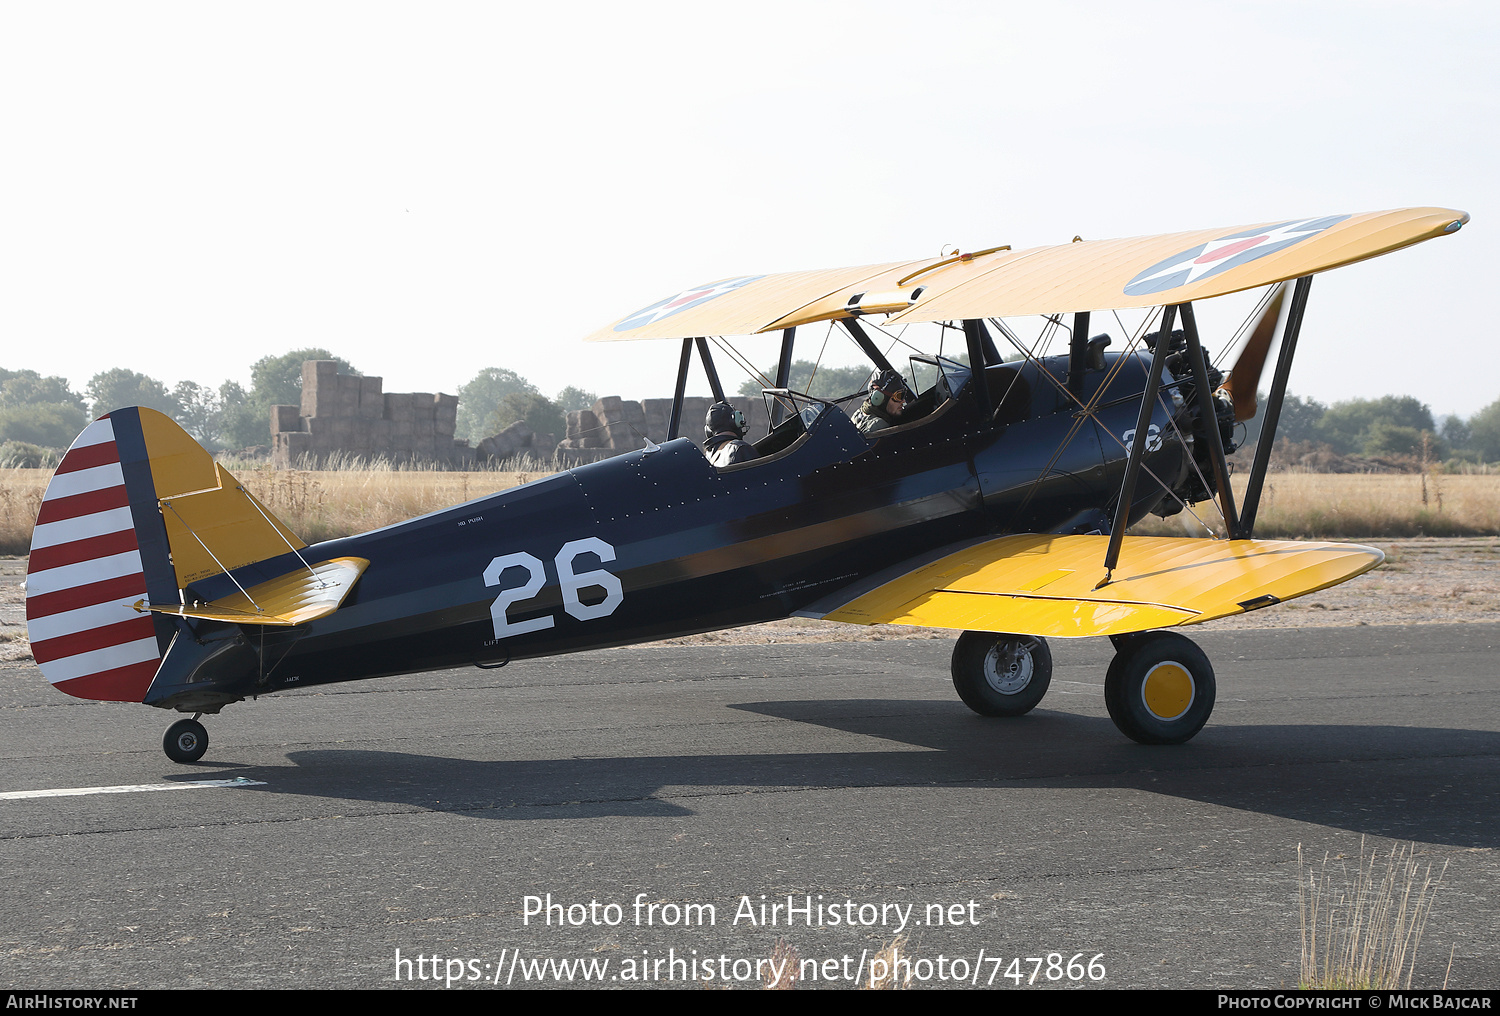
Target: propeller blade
{"x": 1244, "y": 376}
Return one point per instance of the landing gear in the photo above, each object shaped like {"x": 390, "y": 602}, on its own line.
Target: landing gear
{"x": 1160, "y": 687}
{"x": 1001, "y": 675}
{"x": 186, "y": 741}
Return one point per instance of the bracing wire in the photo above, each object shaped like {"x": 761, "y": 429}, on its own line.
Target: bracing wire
{"x": 1089, "y": 410}
{"x": 741, "y": 360}
{"x": 819, "y": 361}
{"x": 1260, "y": 306}
{"x": 226, "y": 571}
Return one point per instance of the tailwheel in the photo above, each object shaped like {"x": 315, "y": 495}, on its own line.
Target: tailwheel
{"x": 1001, "y": 675}
{"x": 186, "y": 741}
{"x": 1160, "y": 688}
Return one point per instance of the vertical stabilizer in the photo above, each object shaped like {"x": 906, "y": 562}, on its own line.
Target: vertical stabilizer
{"x": 98, "y": 547}
{"x": 136, "y": 512}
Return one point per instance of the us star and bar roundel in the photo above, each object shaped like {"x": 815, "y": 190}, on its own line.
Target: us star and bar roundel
{"x": 1209, "y": 259}
{"x": 679, "y": 302}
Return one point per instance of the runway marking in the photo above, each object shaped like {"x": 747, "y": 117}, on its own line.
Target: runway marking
{"x": 129, "y": 788}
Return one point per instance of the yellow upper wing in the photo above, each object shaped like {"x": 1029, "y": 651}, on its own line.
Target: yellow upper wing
{"x": 1087, "y": 275}
{"x": 1044, "y": 585}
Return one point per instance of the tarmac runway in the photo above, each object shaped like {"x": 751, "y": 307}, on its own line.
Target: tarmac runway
{"x": 699, "y": 813}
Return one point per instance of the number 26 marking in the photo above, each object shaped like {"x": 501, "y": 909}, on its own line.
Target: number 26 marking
{"x": 572, "y": 584}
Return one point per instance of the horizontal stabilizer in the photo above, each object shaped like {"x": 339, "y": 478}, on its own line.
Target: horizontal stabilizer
{"x": 294, "y": 598}
{"x": 1045, "y": 585}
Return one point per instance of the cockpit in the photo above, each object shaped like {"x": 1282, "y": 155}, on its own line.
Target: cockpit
{"x": 936, "y": 380}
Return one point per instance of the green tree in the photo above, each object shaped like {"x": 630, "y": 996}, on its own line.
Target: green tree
{"x": 47, "y": 424}
{"x": 541, "y": 414}
{"x": 1390, "y": 439}
{"x": 201, "y": 412}
{"x": 241, "y": 425}
{"x": 277, "y": 380}
{"x": 1455, "y": 432}
{"x": 274, "y": 381}
{"x": 118, "y": 388}
{"x": 27, "y": 387}
{"x": 571, "y": 399}
{"x": 1299, "y": 417}
{"x": 38, "y": 413}
{"x": 1484, "y": 432}
{"x": 1346, "y": 426}
{"x": 478, "y": 400}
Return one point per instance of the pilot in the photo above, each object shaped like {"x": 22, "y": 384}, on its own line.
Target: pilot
{"x": 724, "y": 436}
{"x": 888, "y": 398}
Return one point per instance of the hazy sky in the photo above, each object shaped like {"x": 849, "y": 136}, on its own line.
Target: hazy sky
{"x": 430, "y": 189}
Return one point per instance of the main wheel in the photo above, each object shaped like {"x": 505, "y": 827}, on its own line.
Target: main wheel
{"x": 1160, "y": 688}
{"x": 186, "y": 741}
{"x": 1001, "y": 675}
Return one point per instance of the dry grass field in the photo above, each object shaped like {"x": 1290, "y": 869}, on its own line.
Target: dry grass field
{"x": 1357, "y": 505}
{"x": 317, "y": 506}
{"x": 322, "y": 505}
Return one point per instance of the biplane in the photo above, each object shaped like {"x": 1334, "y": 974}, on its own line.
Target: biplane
{"x": 996, "y": 506}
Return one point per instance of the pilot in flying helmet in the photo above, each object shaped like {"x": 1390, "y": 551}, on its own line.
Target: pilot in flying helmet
{"x": 888, "y": 398}
{"x": 724, "y": 436}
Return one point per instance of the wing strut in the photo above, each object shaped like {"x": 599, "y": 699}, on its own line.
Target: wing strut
{"x": 978, "y": 361}
{"x": 1138, "y": 446}
{"x": 675, "y": 424}
{"x": 1273, "y": 405}
{"x": 1078, "y": 351}
{"x": 708, "y": 368}
{"x": 1208, "y": 416}
{"x": 783, "y": 372}
{"x": 857, "y": 332}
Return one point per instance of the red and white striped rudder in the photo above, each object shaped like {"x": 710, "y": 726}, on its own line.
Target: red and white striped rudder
{"x": 85, "y": 574}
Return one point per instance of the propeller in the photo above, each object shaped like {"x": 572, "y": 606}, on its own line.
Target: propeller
{"x": 1244, "y": 376}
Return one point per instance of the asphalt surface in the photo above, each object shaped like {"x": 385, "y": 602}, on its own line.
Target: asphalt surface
{"x": 419, "y": 814}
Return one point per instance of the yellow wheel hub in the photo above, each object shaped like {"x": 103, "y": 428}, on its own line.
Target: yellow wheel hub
{"x": 1168, "y": 691}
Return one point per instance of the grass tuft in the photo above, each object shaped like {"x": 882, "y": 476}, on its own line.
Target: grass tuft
{"x": 886, "y": 967}
{"x": 1364, "y": 934}
{"x": 785, "y": 967}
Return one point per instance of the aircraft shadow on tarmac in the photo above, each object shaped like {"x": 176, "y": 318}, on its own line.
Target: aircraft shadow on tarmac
{"x": 1420, "y": 783}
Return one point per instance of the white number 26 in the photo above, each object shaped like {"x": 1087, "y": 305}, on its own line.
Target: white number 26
{"x": 571, "y": 582}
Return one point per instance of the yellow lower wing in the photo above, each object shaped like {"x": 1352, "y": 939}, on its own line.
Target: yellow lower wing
{"x": 294, "y": 598}
{"x": 1044, "y": 585}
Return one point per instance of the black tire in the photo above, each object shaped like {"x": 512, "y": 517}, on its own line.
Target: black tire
{"x": 1160, "y": 688}
{"x": 1001, "y": 675}
{"x": 186, "y": 741}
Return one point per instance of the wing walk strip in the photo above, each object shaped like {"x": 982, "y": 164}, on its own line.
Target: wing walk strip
{"x": 84, "y": 574}
{"x": 129, "y": 788}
